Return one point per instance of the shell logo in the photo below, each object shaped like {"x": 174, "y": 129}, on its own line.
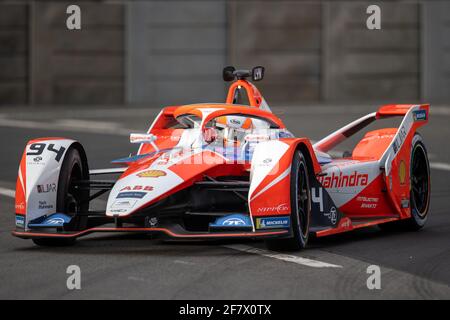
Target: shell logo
{"x": 152, "y": 174}
{"x": 402, "y": 172}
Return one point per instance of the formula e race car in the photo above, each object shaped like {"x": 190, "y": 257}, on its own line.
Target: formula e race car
{"x": 229, "y": 170}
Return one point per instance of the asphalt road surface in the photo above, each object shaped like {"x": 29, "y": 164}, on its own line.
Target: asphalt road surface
{"x": 413, "y": 264}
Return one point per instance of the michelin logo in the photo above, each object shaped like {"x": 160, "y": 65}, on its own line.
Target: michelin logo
{"x": 273, "y": 222}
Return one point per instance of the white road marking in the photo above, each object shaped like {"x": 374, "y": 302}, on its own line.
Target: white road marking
{"x": 440, "y": 166}
{"x": 284, "y": 257}
{"x": 7, "y": 192}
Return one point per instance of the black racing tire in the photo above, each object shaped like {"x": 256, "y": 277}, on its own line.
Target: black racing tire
{"x": 420, "y": 185}
{"x": 70, "y": 200}
{"x": 420, "y": 190}
{"x": 300, "y": 207}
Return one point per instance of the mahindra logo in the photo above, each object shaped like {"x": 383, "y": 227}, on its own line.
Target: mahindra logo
{"x": 281, "y": 208}
{"x": 342, "y": 181}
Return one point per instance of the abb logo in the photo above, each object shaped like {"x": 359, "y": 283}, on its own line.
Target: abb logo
{"x": 136, "y": 188}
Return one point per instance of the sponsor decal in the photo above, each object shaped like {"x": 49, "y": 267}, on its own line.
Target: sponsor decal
{"x": 368, "y": 202}
{"x": 141, "y": 138}
{"x": 151, "y": 221}
{"x": 123, "y": 204}
{"x": 151, "y": 174}
{"x": 233, "y": 220}
{"x": 45, "y": 188}
{"x": 20, "y": 221}
{"x": 234, "y": 121}
{"x": 420, "y": 115}
{"x": 345, "y": 223}
{"x": 265, "y": 162}
{"x": 402, "y": 172}
{"x": 36, "y": 163}
{"x": 379, "y": 137}
{"x": 273, "y": 222}
{"x": 37, "y": 159}
{"x": 20, "y": 206}
{"x": 281, "y": 208}
{"x": 405, "y": 203}
{"x": 162, "y": 161}
{"x": 256, "y": 137}
{"x": 55, "y": 221}
{"x": 332, "y": 215}
{"x": 131, "y": 194}
{"x": 343, "y": 181}
{"x": 44, "y": 205}
{"x": 137, "y": 188}
{"x": 399, "y": 140}
{"x": 117, "y": 210}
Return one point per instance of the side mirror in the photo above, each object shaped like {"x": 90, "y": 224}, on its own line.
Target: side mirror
{"x": 257, "y": 73}
{"x": 228, "y": 73}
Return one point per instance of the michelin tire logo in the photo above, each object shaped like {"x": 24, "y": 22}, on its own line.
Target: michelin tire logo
{"x": 273, "y": 222}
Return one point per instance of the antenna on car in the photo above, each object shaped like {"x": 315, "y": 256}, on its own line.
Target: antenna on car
{"x": 230, "y": 73}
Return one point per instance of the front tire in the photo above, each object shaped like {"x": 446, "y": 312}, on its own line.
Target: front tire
{"x": 70, "y": 199}
{"x": 300, "y": 207}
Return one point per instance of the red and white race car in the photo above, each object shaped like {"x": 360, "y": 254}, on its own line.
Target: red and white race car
{"x": 228, "y": 170}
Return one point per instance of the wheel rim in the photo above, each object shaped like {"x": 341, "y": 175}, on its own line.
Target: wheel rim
{"x": 302, "y": 199}
{"x": 420, "y": 181}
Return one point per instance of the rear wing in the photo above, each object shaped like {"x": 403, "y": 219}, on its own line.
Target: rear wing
{"x": 414, "y": 116}
{"x": 410, "y": 112}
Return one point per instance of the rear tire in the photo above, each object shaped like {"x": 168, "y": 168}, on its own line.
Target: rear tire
{"x": 420, "y": 189}
{"x": 420, "y": 185}
{"x": 300, "y": 207}
{"x": 70, "y": 200}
